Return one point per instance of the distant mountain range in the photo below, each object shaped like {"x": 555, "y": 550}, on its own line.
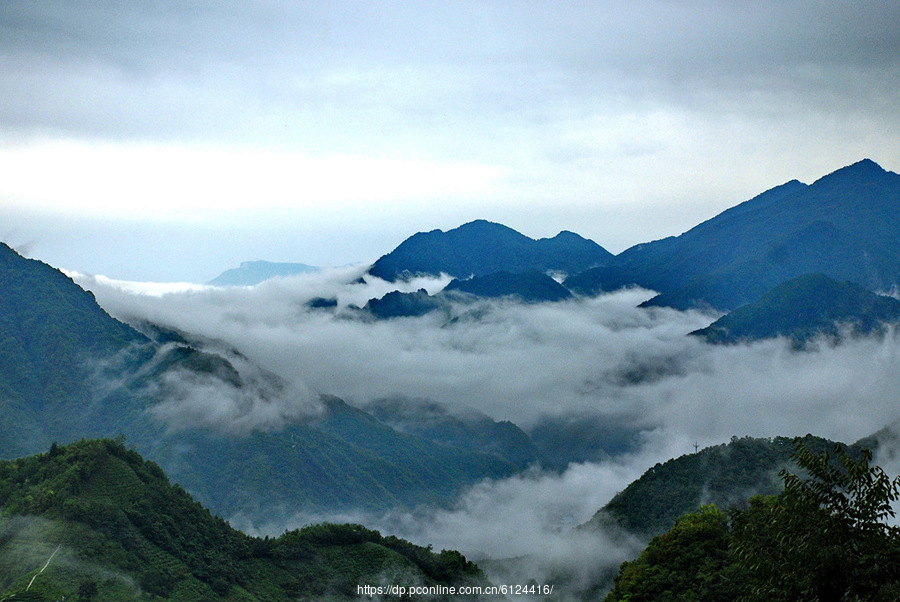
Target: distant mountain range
{"x": 845, "y": 226}
{"x": 481, "y": 248}
{"x": 254, "y": 272}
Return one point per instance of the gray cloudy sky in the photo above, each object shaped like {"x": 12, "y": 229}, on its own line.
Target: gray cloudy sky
{"x": 172, "y": 140}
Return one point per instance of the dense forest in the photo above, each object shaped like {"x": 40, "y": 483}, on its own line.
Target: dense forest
{"x": 94, "y": 521}
{"x": 825, "y": 537}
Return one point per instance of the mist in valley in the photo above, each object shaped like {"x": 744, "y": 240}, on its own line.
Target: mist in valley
{"x": 597, "y": 361}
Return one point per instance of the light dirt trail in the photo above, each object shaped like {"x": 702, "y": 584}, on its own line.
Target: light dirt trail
{"x": 44, "y": 567}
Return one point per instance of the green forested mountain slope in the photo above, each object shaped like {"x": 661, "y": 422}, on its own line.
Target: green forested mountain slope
{"x": 827, "y": 535}
{"x": 804, "y": 308}
{"x": 344, "y": 460}
{"x": 54, "y": 340}
{"x": 94, "y": 520}
{"x": 68, "y": 370}
{"x": 462, "y": 428}
{"x": 723, "y": 475}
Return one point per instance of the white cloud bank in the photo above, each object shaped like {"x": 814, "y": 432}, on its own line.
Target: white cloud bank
{"x": 635, "y": 368}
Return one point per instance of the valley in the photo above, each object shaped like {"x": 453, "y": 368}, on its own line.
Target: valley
{"x": 538, "y": 409}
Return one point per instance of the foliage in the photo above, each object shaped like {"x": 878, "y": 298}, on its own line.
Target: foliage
{"x": 723, "y": 475}
{"x": 823, "y": 538}
{"x": 691, "y": 563}
{"x": 50, "y": 332}
{"x": 123, "y": 532}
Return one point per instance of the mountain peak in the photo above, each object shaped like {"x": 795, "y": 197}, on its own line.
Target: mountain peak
{"x": 866, "y": 164}
{"x": 482, "y": 224}
{"x": 864, "y": 169}
{"x": 803, "y": 308}
{"x": 254, "y": 272}
{"x": 480, "y": 247}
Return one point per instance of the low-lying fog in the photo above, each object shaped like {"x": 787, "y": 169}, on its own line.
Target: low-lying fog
{"x": 604, "y": 357}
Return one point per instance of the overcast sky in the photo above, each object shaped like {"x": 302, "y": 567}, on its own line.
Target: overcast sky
{"x": 173, "y": 140}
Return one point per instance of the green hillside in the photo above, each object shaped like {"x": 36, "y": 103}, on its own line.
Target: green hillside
{"x": 93, "y": 520}
{"x": 724, "y": 475}
{"x": 68, "y": 370}
{"x": 804, "y": 308}
{"x": 826, "y": 536}
{"x": 344, "y": 460}
{"x": 54, "y": 341}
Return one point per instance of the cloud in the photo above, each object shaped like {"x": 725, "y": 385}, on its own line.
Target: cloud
{"x": 512, "y": 361}
{"x": 234, "y": 398}
{"x": 602, "y": 356}
{"x": 630, "y": 368}
{"x": 424, "y": 60}
{"x": 29, "y": 543}
{"x": 94, "y": 178}
{"x": 525, "y": 527}
{"x": 518, "y": 529}
{"x": 315, "y": 121}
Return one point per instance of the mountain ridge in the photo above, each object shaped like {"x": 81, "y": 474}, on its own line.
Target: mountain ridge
{"x": 805, "y": 308}
{"x": 57, "y": 386}
{"x": 843, "y": 225}
{"x": 480, "y": 247}
{"x": 251, "y": 273}
{"x": 122, "y": 531}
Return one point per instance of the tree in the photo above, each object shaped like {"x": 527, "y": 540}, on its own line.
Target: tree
{"x": 690, "y": 562}
{"x": 87, "y": 590}
{"x": 825, "y": 537}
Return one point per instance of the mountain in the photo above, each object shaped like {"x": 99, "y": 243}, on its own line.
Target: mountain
{"x": 530, "y": 286}
{"x": 480, "y": 248}
{"x": 55, "y": 342}
{"x": 804, "y": 308}
{"x": 396, "y": 304}
{"x": 94, "y": 519}
{"x": 342, "y": 460}
{"x": 827, "y": 535}
{"x": 462, "y": 429}
{"x": 254, "y": 272}
{"x": 724, "y": 475}
{"x": 845, "y": 225}
{"x": 574, "y": 437}
{"x": 68, "y": 370}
